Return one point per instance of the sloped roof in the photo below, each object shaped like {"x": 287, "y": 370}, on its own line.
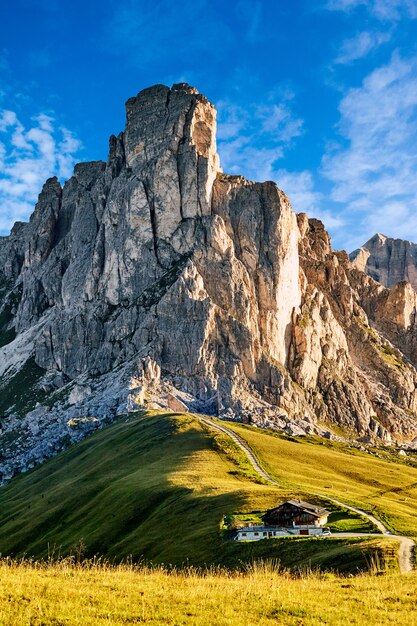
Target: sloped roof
{"x": 313, "y": 509}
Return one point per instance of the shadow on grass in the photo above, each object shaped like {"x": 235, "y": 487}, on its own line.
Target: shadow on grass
{"x": 125, "y": 492}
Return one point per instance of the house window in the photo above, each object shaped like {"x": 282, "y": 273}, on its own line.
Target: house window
{"x": 264, "y": 534}
{"x": 256, "y": 534}
{"x": 243, "y": 534}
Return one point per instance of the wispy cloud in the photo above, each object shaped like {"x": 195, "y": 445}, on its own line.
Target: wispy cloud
{"x": 28, "y": 156}
{"x": 252, "y": 139}
{"x": 360, "y": 46}
{"x": 299, "y": 186}
{"x": 384, "y": 10}
{"x": 305, "y": 198}
{"x": 373, "y": 170}
{"x": 251, "y": 14}
{"x": 385, "y": 18}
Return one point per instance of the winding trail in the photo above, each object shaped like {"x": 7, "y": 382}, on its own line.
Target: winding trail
{"x": 407, "y": 545}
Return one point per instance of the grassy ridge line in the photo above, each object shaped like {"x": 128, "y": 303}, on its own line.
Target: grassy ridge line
{"x": 226, "y": 446}
{"x": 133, "y": 488}
{"x": 154, "y": 487}
{"x": 94, "y": 595}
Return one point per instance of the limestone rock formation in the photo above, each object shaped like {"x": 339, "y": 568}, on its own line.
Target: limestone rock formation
{"x": 153, "y": 279}
{"x": 365, "y": 382}
{"x": 387, "y": 260}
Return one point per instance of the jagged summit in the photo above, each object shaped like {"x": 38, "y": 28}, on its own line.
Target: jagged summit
{"x": 150, "y": 92}
{"x": 153, "y": 276}
{"x": 387, "y": 260}
{"x": 377, "y": 238}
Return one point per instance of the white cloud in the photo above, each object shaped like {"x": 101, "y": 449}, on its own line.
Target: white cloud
{"x": 7, "y": 119}
{"x": 252, "y": 139}
{"x": 360, "y": 45}
{"x": 299, "y": 186}
{"x": 28, "y": 156}
{"x": 385, "y": 10}
{"x": 373, "y": 170}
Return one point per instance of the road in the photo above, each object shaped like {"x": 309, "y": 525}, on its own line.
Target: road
{"x": 407, "y": 545}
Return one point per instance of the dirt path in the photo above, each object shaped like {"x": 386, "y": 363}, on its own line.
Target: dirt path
{"x": 407, "y": 545}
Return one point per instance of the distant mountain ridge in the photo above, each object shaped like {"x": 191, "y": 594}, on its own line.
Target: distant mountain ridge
{"x": 154, "y": 279}
{"x": 387, "y": 260}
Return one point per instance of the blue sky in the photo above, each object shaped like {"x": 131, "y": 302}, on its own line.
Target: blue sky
{"x": 320, "y": 96}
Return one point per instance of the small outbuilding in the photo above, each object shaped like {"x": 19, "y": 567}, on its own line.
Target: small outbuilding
{"x": 255, "y": 533}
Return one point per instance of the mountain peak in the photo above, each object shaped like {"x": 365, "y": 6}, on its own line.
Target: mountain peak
{"x": 378, "y": 237}
{"x": 154, "y": 276}
{"x": 170, "y": 132}
{"x": 184, "y": 88}
{"x": 387, "y": 260}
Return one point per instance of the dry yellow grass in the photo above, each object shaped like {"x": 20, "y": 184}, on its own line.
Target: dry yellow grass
{"x": 92, "y": 594}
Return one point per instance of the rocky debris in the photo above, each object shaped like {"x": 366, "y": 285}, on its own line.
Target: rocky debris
{"x": 175, "y": 404}
{"x": 78, "y": 393}
{"x": 155, "y": 280}
{"x": 26, "y": 441}
{"x": 136, "y": 400}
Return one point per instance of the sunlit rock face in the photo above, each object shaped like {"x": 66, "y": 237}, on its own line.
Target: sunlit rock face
{"x": 350, "y": 343}
{"x": 157, "y": 255}
{"x": 387, "y": 260}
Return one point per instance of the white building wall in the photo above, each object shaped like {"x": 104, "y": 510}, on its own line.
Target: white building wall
{"x": 250, "y": 534}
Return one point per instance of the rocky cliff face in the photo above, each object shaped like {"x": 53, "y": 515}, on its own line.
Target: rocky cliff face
{"x": 365, "y": 381}
{"x": 387, "y": 260}
{"x": 155, "y": 279}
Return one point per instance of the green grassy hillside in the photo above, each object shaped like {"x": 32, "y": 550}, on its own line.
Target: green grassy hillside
{"x": 386, "y": 488}
{"x": 156, "y": 486}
